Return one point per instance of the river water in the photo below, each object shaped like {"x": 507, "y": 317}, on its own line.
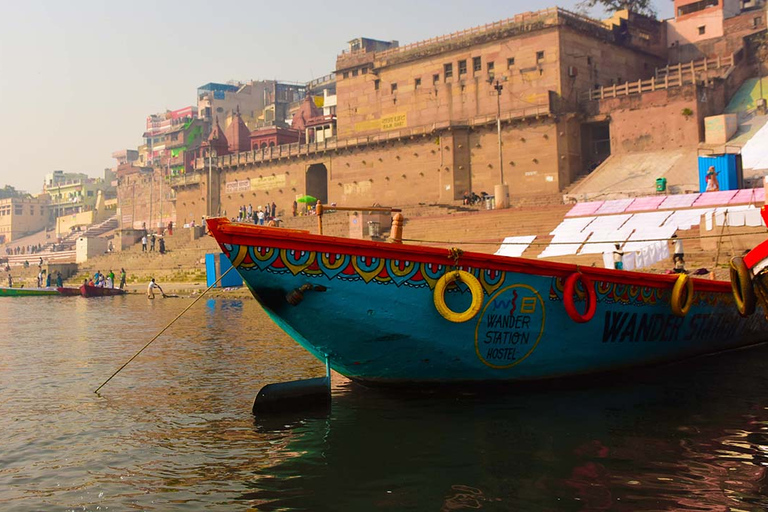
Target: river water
{"x": 174, "y": 429}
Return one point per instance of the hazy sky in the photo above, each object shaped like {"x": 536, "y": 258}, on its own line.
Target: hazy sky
{"x": 78, "y": 78}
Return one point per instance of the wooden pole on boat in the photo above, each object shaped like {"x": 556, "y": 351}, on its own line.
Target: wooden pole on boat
{"x": 396, "y": 233}
{"x": 319, "y": 212}
{"x": 163, "y": 330}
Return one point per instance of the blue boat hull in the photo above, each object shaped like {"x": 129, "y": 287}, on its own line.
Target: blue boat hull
{"x": 376, "y": 321}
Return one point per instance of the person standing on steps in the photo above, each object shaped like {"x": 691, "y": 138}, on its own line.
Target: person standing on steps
{"x": 152, "y": 242}
{"x": 618, "y": 258}
{"x": 151, "y": 289}
{"x": 678, "y": 256}
{"x": 144, "y": 243}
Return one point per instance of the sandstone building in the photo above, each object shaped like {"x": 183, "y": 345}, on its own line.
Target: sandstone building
{"x": 422, "y": 122}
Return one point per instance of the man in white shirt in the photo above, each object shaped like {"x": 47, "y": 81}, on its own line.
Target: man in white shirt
{"x": 151, "y": 289}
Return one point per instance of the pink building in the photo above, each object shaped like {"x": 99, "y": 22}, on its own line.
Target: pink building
{"x": 698, "y": 20}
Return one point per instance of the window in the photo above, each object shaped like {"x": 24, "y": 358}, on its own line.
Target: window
{"x": 345, "y": 75}
{"x": 462, "y": 67}
{"x": 695, "y": 7}
{"x": 393, "y": 88}
{"x": 510, "y": 62}
{"x": 31, "y": 210}
{"x": 364, "y": 70}
{"x": 539, "y": 57}
{"x": 757, "y": 21}
{"x": 702, "y": 30}
{"x": 417, "y": 83}
{"x": 90, "y": 193}
{"x": 477, "y": 64}
{"x": 448, "y": 71}
{"x": 435, "y": 79}
{"x": 17, "y": 210}
{"x": 490, "y": 67}
{"x": 376, "y": 84}
{"x": 354, "y": 72}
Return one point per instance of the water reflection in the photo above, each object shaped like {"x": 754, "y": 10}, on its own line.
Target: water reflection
{"x": 173, "y": 431}
{"x": 662, "y": 440}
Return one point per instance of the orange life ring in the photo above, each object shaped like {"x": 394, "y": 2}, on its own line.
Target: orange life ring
{"x": 741, "y": 286}
{"x": 568, "y": 292}
{"x": 680, "y": 307}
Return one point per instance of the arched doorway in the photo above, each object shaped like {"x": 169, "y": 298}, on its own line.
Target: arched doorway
{"x": 317, "y": 182}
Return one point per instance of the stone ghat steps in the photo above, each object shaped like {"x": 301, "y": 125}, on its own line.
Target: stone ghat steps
{"x": 487, "y": 228}
{"x": 184, "y": 260}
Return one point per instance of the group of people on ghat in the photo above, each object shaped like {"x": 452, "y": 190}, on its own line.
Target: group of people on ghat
{"x": 23, "y": 249}
{"x": 471, "y": 198}
{"x": 106, "y": 280}
{"x": 261, "y": 215}
{"x": 152, "y": 239}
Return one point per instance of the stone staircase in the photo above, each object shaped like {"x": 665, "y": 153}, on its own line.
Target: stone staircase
{"x": 184, "y": 260}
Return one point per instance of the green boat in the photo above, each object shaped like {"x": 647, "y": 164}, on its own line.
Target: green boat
{"x": 26, "y": 292}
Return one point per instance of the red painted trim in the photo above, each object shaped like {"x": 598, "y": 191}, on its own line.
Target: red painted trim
{"x": 756, "y": 255}
{"x": 227, "y": 232}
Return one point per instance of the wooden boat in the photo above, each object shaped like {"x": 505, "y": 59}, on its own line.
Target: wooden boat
{"x": 749, "y": 277}
{"x": 26, "y": 292}
{"x": 388, "y": 313}
{"x": 68, "y": 291}
{"x": 87, "y": 291}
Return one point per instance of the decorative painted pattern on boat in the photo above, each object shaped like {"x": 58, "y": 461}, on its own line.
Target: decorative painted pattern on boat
{"x": 351, "y": 268}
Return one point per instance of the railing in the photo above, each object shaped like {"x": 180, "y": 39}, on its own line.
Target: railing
{"x": 322, "y": 80}
{"x": 665, "y": 78}
{"x": 526, "y": 18}
{"x": 697, "y": 66}
{"x": 184, "y": 179}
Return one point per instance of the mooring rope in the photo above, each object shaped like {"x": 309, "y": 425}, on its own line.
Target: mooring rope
{"x": 164, "y": 329}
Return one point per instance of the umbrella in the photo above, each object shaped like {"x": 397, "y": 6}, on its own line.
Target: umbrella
{"x": 306, "y": 199}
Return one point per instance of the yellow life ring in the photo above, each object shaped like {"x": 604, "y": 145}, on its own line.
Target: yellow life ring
{"x": 474, "y": 286}
{"x": 681, "y": 307}
{"x": 741, "y": 286}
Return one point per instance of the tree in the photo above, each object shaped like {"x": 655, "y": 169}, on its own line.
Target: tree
{"x": 9, "y": 191}
{"x": 611, "y": 6}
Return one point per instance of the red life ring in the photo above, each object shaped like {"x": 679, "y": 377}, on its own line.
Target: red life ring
{"x": 568, "y": 292}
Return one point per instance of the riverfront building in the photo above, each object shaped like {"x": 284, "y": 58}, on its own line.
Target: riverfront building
{"x": 536, "y": 101}
{"x": 418, "y": 123}
{"x": 20, "y": 216}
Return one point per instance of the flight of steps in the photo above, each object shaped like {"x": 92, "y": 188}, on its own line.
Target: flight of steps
{"x": 184, "y": 260}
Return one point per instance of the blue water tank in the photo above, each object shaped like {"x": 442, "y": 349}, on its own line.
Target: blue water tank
{"x": 215, "y": 266}
{"x": 727, "y": 167}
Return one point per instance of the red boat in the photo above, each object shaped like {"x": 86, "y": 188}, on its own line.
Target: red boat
{"x": 68, "y": 292}
{"x": 87, "y": 290}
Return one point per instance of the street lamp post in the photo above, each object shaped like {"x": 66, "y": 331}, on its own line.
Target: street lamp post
{"x": 501, "y": 191}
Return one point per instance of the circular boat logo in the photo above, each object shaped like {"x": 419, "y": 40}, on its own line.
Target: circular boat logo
{"x": 510, "y": 327}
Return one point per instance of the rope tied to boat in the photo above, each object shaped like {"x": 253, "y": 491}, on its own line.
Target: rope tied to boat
{"x": 455, "y": 254}
{"x": 164, "y": 329}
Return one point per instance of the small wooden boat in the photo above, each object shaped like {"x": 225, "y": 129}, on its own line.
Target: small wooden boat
{"x": 389, "y": 313}
{"x": 26, "y": 292}
{"x": 87, "y": 291}
{"x": 68, "y": 292}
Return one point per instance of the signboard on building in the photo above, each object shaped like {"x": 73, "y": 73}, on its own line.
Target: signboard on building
{"x": 268, "y": 182}
{"x": 238, "y": 186}
{"x": 391, "y": 122}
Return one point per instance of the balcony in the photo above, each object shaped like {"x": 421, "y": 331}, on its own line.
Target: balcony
{"x": 184, "y": 180}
